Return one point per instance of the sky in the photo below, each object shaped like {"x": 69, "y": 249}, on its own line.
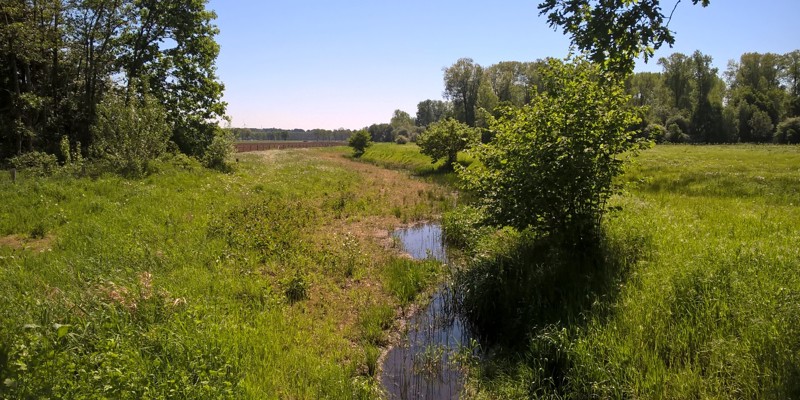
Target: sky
{"x": 348, "y": 64}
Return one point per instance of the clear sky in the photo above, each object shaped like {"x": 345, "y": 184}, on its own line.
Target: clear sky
{"x": 347, "y": 64}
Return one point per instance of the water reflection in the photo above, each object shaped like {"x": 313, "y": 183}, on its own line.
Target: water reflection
{"x": 426, "y": 364}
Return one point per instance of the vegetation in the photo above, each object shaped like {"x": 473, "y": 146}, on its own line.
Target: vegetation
{"x": 444, "y": 139}
{"x": 550, "y": 165}
{"x": 689, "y": 293}
{"x": 61, "y": 59}
{"x": 194, "y": 284}
{"x": 359, "y": 141}
{"x": 613, "y": 33}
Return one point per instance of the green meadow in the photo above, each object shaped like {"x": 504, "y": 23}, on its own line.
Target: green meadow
{"x": 701, "y": 298}
{"x": 279, "y": 280}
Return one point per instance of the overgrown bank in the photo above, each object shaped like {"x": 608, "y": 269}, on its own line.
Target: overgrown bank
{"x": 277, "y": 280}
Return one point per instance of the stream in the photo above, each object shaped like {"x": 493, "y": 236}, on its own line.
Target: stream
{"x": 424, "y": 364}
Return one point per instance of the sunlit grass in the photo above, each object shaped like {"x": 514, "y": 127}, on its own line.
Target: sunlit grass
{"x": 263, "y": 283}
{"x": 710, "y": 305}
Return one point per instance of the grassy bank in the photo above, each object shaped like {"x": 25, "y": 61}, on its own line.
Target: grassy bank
{"x": 276, "y": 281}
{"x": 694, "y": 294}
{"x": 408, "y": 158}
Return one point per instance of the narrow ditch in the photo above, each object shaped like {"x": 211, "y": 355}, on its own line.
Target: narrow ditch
{"x": 425, "y": 364}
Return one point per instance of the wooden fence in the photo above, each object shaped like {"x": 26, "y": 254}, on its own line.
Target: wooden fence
{"x": 279, "y": 145}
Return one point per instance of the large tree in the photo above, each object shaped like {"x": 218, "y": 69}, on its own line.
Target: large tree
{"x": 430, "y": 111}
{"x": 462, "y": 82}
{"x": 61, "y": 57}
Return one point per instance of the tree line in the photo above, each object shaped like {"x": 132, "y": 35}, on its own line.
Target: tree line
{"x": 757, "y": 99}
{"x": 72, "y": 70}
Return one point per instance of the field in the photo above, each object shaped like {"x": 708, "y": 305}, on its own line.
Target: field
{"x": 277, "y": 281}
{"x": 280, "y": 280}
{"x": 706, "y": 295}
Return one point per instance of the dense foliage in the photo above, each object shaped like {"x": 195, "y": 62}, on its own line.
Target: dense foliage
{"x": 551, "y": 163}
{"x": 129, "y": 136}
{"x": 445, "y": 138}
{"x": 61, "y": 59}
{"x": 359, "y": 141}
{"x": 613, "y": 32}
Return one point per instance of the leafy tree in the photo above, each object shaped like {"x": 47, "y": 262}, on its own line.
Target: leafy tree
{"x": 462, "y": 82}
{"x": 359, "y": 141}
{"x": 760, "y": 126}
{"x": 678, "y": 79}
{"x": 788, "y": 131}
{"x": 706, "y": 108}
{"x": 790, "y": 76}
{"x": 381, "y": 132}
{"x": 551, "y": 164}
{"x": 444, "y": 139}
{"x": 401, "y": 119}
{"x": 430, "y": 111}
{"x": 613, "y": 32}
{"x": 61, "y": 58}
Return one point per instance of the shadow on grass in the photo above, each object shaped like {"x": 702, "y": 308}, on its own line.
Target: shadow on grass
{"x": 519, "y": 283}
{"x": 524, "y": 294}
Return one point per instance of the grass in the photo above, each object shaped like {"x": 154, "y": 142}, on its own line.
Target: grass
{"x": 408, "y": 157}
{"x": 704, "y": 300}
{"x": 264, "y": 283}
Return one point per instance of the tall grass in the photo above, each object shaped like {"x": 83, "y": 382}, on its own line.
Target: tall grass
{"x": 190, "y": 283}
{"x": 705, "y": 302}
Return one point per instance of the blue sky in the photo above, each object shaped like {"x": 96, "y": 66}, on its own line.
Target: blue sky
{"x": 322, "y": 64}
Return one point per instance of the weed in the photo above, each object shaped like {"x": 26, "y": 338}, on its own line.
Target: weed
{"x": 295, "y": 287}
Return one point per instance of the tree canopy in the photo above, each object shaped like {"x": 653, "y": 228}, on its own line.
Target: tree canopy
{"x": 62, "y": 58}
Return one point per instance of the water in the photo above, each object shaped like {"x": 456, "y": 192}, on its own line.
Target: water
{"x": 425, "y": 364}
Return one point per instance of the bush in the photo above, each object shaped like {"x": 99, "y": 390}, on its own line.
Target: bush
{"x": 551, "y": 164}
{"x": 401, "y": 139}
{"x": 219, "y": 152}
{"x": 463, "y": 227}
{"x": 444, "y": 139}
{"x": 359, "y": 141}
{"x": 129, "y": 135}
{"x": 675, "y": 134}
{"x": 655, "y": 132}
{"x": 788, "y": 131}
{"x": 682, "y": 122}
{"x": 35, "y": 162}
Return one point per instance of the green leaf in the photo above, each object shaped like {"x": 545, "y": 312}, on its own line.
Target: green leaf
{"x": 61, "y": 330}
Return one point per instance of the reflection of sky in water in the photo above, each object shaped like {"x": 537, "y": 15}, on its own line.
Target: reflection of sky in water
{"x": 421, "y": 367}
{"x": 419, "y": 240}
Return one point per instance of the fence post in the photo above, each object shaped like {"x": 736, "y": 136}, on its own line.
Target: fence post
{"x": 13, "y": 175}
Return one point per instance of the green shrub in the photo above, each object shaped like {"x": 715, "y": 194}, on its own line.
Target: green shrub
{"x": 295, "y": 287}
{"x": 359, "y": 141}
{"x": 655, "y": 132}
{"x": 219, "y": 152}
{"x": 463, "y": 227}
{"x": 788, "y": 131}
{"x": 129, "y": 135}
{"x": 675, "y": 134}
{"x": 444, "y": 139}
{"x": 401, "y": 139}
{"x": 552, "y": 163}
{"x": 35, "y": 162}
